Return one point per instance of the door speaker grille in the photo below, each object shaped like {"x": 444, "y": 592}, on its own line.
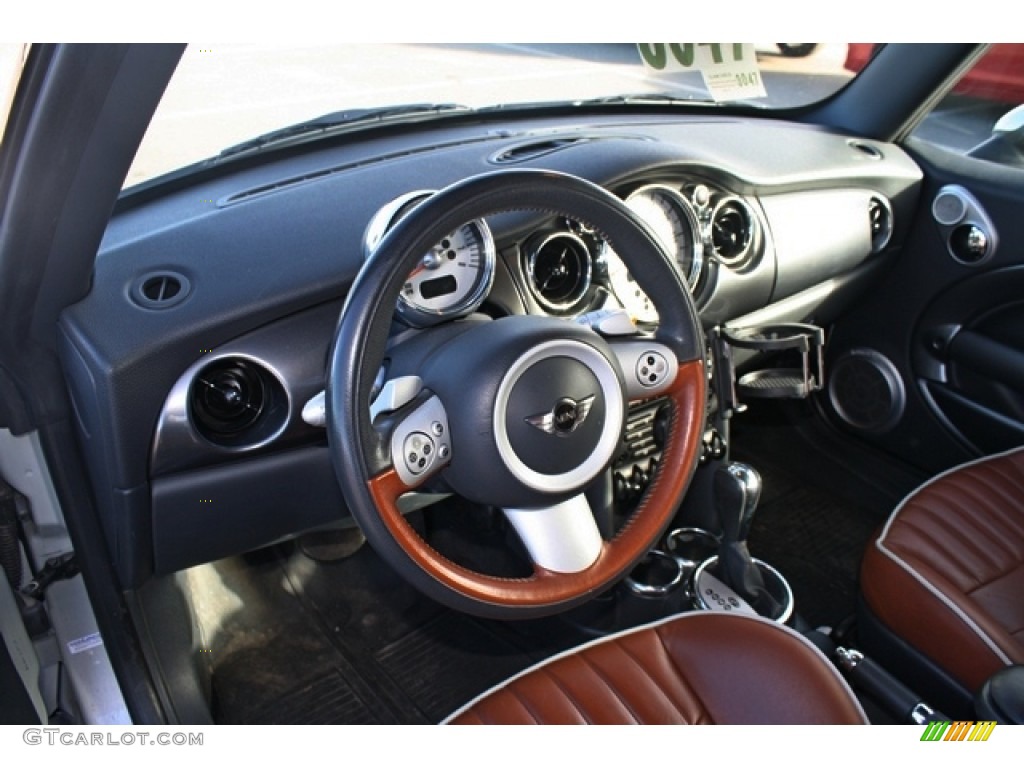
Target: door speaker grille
{"x": 866, "y": 391}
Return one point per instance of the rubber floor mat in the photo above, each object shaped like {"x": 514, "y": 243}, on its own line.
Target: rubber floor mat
{"x": 298, "y": 641}
{"x": 324, "y": 701}
{"x": 449, "y": 661}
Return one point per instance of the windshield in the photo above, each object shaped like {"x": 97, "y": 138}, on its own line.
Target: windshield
{"x": 222, "y": 95}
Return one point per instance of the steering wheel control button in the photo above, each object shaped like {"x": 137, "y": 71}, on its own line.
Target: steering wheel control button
{"x": 651, "y": 369}
{"x": 415, "y": 451}
{"x": 419, "y": 449}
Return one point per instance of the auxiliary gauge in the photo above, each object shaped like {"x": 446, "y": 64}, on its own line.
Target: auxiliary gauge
{"x": 452, "y": 279}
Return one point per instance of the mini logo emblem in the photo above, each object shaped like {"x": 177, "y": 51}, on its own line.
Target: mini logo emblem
{"x": 564, "y": 418}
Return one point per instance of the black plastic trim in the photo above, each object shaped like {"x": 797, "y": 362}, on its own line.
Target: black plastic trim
{"x": 911, "y": 667}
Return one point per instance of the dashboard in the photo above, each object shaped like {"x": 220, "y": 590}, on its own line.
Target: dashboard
{"x": 193, "y": 361}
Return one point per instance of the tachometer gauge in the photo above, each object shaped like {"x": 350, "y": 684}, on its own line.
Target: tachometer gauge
{"x": 452, "y": 279}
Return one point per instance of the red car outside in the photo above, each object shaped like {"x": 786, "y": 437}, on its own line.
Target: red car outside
{"x": 998, "y": 76}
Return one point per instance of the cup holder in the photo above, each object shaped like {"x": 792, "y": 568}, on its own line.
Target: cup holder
{"x": 656, "y": 575}
{"x": 802, "y": 343}
{"x": 691, "y": 546}
{"x": 710, "y": 594}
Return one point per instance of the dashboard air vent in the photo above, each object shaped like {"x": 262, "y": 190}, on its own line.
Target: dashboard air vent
{"x": 538, "y": 146}
{"x": 732, "y": 230}
{"x": 880, "y": 218}
{"x": 869, "y": 150}
{"x": 235, "y": 401}
{"x": 558, "y": 268}
{"x": 520, "y": 153}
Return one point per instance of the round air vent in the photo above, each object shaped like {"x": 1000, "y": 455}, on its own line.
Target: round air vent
{"x": 558, "y": 269}
{"x": 160, "y": 290}
{"x": 866, "y": 390}
{"x": 732, "y": 231}
{"x": 880, "y": 218}
{"x": 236, "y": 402}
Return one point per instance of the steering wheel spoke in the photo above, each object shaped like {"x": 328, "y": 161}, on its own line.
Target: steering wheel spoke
{"x": 562, "y": 538}
{"x": 417, "y": 437}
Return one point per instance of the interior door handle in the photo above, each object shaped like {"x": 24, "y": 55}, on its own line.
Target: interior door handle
{"x": 988, "y": 357}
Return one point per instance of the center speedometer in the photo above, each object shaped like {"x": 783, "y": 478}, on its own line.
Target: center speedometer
{"x": 673, "y": 221}
{"x": 452, "y": 279}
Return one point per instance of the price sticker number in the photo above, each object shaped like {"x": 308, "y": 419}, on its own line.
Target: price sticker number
{"x": 729, "y": 70}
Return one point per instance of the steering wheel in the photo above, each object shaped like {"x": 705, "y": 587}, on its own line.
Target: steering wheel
{"x": 521, "y": 412}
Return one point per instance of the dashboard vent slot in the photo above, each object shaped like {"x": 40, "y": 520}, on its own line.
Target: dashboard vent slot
{"x": 520, "y": 153}
{"x": 235, "y": 402}
{"x": 160, "y": 290}
{"x": 880, "y": 218}
{"x": 530, "y": 149}
{"x": 869, "y": 150}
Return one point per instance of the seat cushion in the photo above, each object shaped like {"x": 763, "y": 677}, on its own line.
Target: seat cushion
{"x": 946, "y": 573}
{"x": 691, "y": 669}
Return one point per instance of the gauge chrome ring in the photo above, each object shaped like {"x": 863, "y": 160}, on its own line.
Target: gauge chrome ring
{"x": 685, "y": 207}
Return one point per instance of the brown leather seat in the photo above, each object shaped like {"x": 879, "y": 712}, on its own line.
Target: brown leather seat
{"x": 692, "y": 669}
{"x": 946, "y": 574}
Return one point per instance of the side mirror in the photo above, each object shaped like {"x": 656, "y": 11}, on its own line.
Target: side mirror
{"x": 1006, "y": 144}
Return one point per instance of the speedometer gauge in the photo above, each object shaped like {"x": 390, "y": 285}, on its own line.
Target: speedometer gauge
{"x": 452, "y": 279}
{"x": 674, "y": 223}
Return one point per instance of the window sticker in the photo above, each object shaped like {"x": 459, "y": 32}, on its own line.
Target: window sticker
{"x": 729, "y": 70}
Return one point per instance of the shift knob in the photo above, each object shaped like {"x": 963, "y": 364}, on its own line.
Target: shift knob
{"x": 737, "y": 491}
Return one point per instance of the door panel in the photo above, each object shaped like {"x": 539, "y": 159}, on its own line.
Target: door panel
{"x": 947, "y": 321}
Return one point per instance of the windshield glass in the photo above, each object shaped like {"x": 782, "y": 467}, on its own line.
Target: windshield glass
{"x": 222, "y": 95}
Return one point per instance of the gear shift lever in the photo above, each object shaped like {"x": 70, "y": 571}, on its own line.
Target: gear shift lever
{"x": 737, "y": 489}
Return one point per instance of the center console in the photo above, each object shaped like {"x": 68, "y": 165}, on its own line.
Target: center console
{"x": 703, "y": 563}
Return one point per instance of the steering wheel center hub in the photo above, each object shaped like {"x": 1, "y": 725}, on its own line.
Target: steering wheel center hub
{"x": 558, "y": 415}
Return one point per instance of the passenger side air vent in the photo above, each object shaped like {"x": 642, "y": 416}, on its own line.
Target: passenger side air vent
{"x": 236, "y": 402}
{"x": 880, "y": 217}
{"x": 732, "y": 231}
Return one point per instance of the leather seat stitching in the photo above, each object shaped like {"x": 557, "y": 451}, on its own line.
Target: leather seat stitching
{"x": 524, "y": 701}
{"x": 936, "y": 544}
{"x": 944, "y": 600}
{"x": 702, "y": 708}
{"x": 994, "y": 579}
{"x": 991, "y": 510}
{"x": 611, "y": 687}
{"x": 939, "y": 477}
{"x": 580, "y": 708}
